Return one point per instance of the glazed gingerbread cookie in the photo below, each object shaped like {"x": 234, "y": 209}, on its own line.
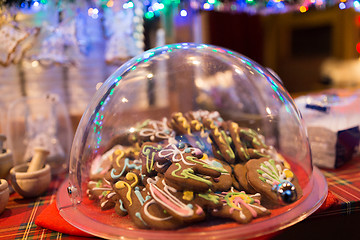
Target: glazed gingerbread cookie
{"x": 275, "y": 182}
{"x": 102, "y": 163}
{"x": 252, "y": 138}
{"x": 148, "y": 154}
{"x": 224, "y": 182}
{"x": 221, "y": 142}
{"x": 180, "y": 124}
{"x": 102, "y": 192}
{"x": 240, "y": 174}
{"x": 199, "y": 137}
{"x": 98, "y": 189}
{"x": 154, "y": 131}
{"x": 240, "y": 206}
{"x": 157, "y": 218}
{"x": 248, "y": 144}
{"x": 203, "y": 115}
{"x": 132, "y": 196}
{"x": 185, "y": 206}
{"x": 188, "y": 171}
{"x": 123, "y": 162}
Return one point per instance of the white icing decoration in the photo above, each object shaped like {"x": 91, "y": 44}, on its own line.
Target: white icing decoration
{"x": 171, "y": 149}
{"x": 158, "y": 129}
{"x": 146, "y": 211}
{"x": 187, "y": 212}
{"x": 103, "y": 203}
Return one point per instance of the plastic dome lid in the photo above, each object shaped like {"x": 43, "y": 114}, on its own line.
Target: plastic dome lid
{"x": 191, "y": 140}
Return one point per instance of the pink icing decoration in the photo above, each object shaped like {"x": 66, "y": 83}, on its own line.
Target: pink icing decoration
{"x": 197, "y": 151}
{"x": 239, "y": 200}
{"x": 231, "y": 210}
{"x": 199, "y": 210}
{"x": 166, "y": 199}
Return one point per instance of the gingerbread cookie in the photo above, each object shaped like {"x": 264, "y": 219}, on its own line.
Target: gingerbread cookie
{"x": 132, "y": 197}
{"x": 240, "y": 148}
{"x": 186, "y": 206}
{"x": 180, "y": 124}
{"x": 221, "y": 142}
{"x": 147, "y": 156}
{"x": 98, "y": 189}
{"x": 275, "y": 182}
{"x": 240, "y": 206}
{"x": 224, "y": 182}
{"x": 240, "y": 174}
{"x": 102, "y": 163}
{"x": 203, "y": 115}
{"x": 123, "y": 162}
{"x": 188, "y": 171}
{"x": 109, "y": 200}
{"x": 158, "y": 218}
{"x": 198, "y": 139}
{"x": 252, "y": 138}
{"x": 154, "y": 131}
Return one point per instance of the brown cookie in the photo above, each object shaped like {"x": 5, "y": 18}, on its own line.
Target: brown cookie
{"x": 102, "y": 163}
{"x": 235, "y": 183}
{"x": 147, "y": 156}
{"x": 240, "y": 148}
{"x": 158, "y": 218}
{"x": 132, "y": 196}
{"x": 123, "y": 162}
{"x": 203, "y": 115}
{"x": 96, "y": 190}
{"x": 224, "y": 182}
{"x": 186, "y": 206}
{"x": 154, "y": 131}
{"x": 275, "y": 182}
{"x": 109, "y": 200}
{"x": 240, "y": 173}
{"x": 221, "y": 142}
{"x": 180, "y": 124}
{"x": 188, "y": 171}
{"x": 119, "y": 208}
{"x": 240, "y": 206}
{"x": 252, "y": 138}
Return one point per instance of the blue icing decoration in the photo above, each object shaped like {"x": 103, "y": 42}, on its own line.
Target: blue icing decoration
{"x": 190, "y": 206}
{"x": 138, "y": 215}
{"x": 187, "y": 150}
{"x": 126, "y": 164}
{"x": 217, "y": 164}
{"x": 140, "y": 197}
{"x": 122, "y": 206}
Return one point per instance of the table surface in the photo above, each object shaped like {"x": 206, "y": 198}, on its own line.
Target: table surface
{"x": 17, "y": 221}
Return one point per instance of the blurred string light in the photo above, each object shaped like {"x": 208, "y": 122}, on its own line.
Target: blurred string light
{"x": 154, "y": 8}
{"x": 93, "y": 12}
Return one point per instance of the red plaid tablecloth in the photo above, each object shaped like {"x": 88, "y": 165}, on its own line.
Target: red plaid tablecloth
{"x": 344, "y": 184}
{"x": 17, "y": 221}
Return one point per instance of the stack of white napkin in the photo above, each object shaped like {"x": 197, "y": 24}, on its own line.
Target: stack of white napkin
{"x": 332, "y": 122}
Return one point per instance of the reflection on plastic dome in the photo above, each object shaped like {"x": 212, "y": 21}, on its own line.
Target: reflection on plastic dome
{"x": 190, "y": 134}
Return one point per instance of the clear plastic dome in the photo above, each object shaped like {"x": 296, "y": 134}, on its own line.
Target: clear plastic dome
{"x": 190, "y": 140}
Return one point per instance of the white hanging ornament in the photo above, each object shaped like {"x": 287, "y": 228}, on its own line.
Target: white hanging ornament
{"x": 120, "y": 30}
{"x": 10, "y": 37}
{"x": 138, "y": 29}
{"x": 55, "y": 47}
